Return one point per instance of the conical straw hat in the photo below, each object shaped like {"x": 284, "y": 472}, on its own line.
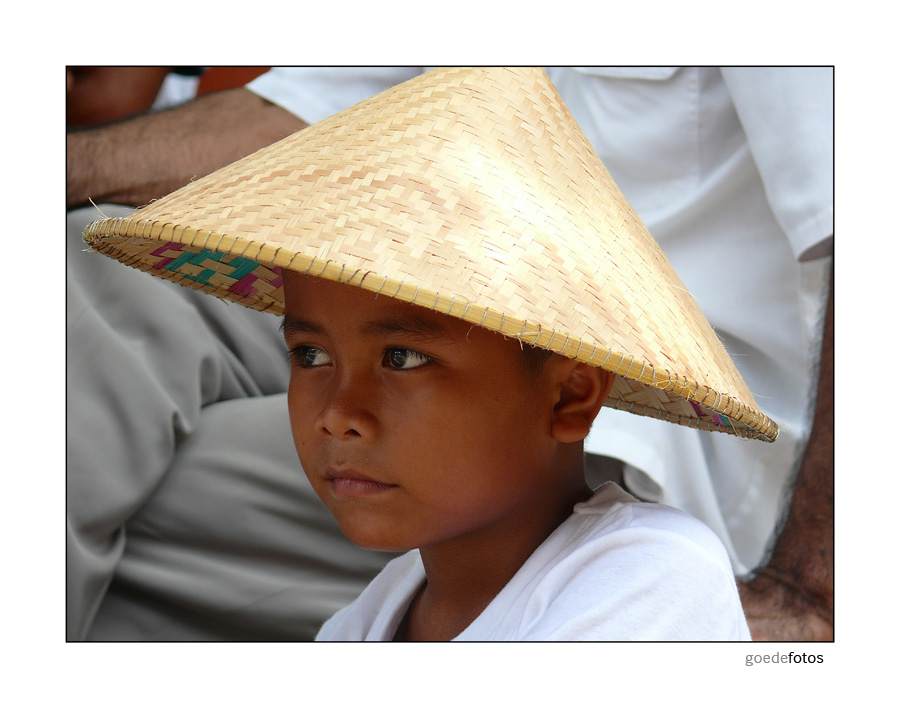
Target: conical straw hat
{"x": 472, "y": 192}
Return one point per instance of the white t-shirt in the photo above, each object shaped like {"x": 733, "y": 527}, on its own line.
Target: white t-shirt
{"x": 616, "y": 569}
{"x": 732, "y": 172}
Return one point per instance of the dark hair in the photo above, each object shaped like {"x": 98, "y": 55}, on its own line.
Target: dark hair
{"x": 533, "y": 359}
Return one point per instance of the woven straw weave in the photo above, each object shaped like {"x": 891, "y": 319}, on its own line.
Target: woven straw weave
{"x": 472, "y": 192}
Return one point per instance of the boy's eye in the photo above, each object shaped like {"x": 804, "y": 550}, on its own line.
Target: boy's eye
{"x": 309, "y": 357}
{"x": 400, "y": 358}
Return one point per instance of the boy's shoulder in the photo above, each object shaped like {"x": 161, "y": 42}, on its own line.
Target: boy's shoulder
{"x": 612, "y": 509}
{"x": 613, "y": 527}
{"x": 612, "y": 569}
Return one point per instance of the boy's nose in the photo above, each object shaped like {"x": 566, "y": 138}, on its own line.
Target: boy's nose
{"x": 345, "y": 417}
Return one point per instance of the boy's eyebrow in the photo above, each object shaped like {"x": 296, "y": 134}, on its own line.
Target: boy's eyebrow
{"x": 397, "y": 324}
{"x": 408, "y": 324}
{"x": 297, "y": 325}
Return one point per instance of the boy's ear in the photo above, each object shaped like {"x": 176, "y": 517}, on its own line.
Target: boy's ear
{"x": 581, "y": 397}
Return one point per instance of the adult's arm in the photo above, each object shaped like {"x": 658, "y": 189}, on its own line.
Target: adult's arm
{"x": 146, "y": 157}
{"x": 792, "y": 597}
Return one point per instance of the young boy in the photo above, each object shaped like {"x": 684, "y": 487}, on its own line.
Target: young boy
{"x": 463, "y": 288}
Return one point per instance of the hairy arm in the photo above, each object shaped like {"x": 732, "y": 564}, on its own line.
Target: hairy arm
{"x": 792, "y": 597}
{"x": 146, "y": 157}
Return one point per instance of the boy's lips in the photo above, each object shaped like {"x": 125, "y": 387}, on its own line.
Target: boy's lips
{"x": 344, "y": 483}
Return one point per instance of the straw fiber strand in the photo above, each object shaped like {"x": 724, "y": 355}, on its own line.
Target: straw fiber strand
{"x": 472, "y": 192}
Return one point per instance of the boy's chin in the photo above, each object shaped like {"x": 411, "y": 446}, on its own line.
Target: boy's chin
{"x": 383, "y": 545}
{"x": 376, "y": 539}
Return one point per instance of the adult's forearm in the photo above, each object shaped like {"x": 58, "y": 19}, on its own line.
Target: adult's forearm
{"x": 792, "y": 597}
{"x": 805, "y": 548}
{"x": 147, "y": 157}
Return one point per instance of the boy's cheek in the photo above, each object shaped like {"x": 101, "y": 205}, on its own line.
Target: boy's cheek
{"x": 301, "y": 428}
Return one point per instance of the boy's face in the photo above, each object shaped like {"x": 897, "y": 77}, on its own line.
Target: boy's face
{"x": 414, "y": 427}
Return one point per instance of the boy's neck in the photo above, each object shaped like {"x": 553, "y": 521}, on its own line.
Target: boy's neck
{"x": 463, "y": 575}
